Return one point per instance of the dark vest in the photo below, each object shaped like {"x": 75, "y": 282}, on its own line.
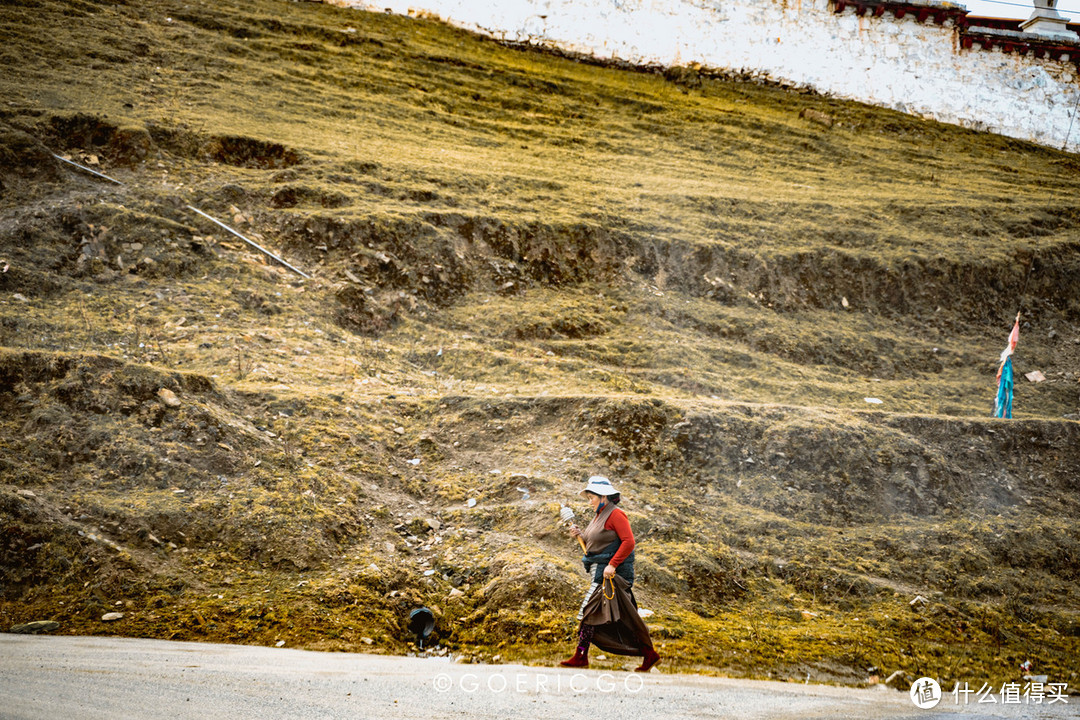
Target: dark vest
{"x": 601, "y": 545}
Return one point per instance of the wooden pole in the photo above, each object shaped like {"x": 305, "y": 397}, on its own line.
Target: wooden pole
{"x": 253, "y": 244}
{"x": 86, "y": 169}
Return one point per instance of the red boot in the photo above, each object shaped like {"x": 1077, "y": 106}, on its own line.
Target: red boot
{"x": 651, "y": 658}
{"x": 580, "y": 660}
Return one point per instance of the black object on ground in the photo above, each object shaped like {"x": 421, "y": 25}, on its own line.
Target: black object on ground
{"x": 421, "y": 623}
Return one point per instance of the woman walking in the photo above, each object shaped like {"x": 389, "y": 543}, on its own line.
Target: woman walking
{"x": 608, "y": 616}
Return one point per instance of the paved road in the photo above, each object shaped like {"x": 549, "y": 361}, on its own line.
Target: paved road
{"x": 57, "y": 678}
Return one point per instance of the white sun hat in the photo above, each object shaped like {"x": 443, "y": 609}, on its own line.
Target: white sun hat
{"x": 599, "y": 485}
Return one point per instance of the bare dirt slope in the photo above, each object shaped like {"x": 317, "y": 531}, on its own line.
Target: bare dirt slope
{"x": 524, "y": 270}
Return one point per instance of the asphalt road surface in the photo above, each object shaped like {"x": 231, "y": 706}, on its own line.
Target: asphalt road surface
{"x": 83, "y": 678}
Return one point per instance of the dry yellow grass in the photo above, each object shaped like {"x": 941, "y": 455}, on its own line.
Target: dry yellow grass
{"x": 526, "y": 269}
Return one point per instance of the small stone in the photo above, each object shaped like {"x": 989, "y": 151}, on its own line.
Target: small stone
{"x": 26, "y": 493}
{"x": 399, "y": 430}
{"x": 454, "y": 592}
{"x": 434, "y": 524}
{"x": 112, "y": 616}
{"x": 35, "y": 627}
{"x": 367, "y": 641}
{"x": 279, "y": 643}
{"x": 168, "y": 398}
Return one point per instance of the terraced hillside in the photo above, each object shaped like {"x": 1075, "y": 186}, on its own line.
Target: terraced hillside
{"x": 524, "y": 269}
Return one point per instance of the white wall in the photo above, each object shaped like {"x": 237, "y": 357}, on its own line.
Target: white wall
{"x": 902, "y": 64}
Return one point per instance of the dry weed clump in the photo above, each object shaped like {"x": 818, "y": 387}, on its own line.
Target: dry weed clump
{"x": 635, "y": 428}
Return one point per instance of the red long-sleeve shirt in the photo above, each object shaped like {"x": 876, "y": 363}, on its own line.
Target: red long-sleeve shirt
{"x": 620, "y": 524}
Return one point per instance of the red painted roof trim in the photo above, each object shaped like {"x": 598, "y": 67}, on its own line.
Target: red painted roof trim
{"x": 969, "y": 27}
{"x": 878, "y": 7}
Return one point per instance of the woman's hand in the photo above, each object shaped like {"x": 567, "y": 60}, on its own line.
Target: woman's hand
{"x": 575, "y": 531}
{"x": 609, "y": 572}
